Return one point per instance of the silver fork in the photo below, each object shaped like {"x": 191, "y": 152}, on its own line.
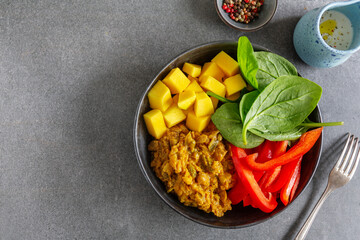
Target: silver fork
{"x": 341, "y": 174}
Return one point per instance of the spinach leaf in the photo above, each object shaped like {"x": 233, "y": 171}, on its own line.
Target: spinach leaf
{"x": 293, "y": 134}
{"x": 247, "y": 61}
{"x": 246, "y": 103}
{"x": 228, "y": 122}
{"x": 272, "y": 66}
{"x": 282, "y": 105}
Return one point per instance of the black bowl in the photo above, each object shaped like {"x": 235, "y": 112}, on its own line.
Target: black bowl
{"x": 265, "y": 15}
{"x": 239, "y": 216}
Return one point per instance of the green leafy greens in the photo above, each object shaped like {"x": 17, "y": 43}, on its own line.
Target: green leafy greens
{"x": 247, "y": 61}
{"x": 282, "y": 105}
{"x": 276, "y": 110}
{"x": 272, "y": 66}
{"x": 227, "y": 119}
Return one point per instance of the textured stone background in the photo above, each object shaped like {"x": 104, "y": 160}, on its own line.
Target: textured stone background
{"x": 71, "y": 74}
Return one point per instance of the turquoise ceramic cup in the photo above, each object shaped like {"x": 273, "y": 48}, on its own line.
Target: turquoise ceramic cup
{"x": 312, "y": 48}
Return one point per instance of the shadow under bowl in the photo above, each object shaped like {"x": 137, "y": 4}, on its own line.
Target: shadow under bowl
{"x": 239, "y": 216}
{"x": 267, "y": 11}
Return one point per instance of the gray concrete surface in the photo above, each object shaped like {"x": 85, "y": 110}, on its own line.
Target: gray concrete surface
{"x": 71, "y": 74}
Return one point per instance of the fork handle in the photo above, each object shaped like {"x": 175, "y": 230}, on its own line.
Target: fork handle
{"x": 305, "y": 228}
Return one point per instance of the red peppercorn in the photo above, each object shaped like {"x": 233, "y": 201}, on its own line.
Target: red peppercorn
{"x": 255, "y": 10}
{"x": 224, "y": 6}
{"x": 231, "y": 5}
{"x": 246, "y": 17}
{"x": 228, "y": 10}
{"x": 247, "y": 1}
{"x": 232, "y": 10}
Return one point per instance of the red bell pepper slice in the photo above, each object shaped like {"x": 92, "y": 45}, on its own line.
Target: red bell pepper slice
{"x": 266, "y": 152}
{"x": 247, "y": 178}
{"x": 247, "y": 201}
{"x": 296, "y": 184}
{"x": 237, "y": 193}
{"x": 306, "y": 142}
{"x": 286, "y": 189}
{"x": 285, "y": 174}
{"x": 270, "y": 176}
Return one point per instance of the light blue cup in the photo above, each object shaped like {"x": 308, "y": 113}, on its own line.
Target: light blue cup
{"x": 311, "y": 47}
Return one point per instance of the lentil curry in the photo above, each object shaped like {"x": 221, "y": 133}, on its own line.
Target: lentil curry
{"x": 196, "y": 166}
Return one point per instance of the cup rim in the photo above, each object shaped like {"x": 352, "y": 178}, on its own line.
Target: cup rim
{"x": 328, "y": 7}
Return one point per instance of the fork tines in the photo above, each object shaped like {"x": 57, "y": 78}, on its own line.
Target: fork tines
{"x": 348, "y": 164}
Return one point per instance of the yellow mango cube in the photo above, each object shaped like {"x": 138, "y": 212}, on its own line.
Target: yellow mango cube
{"x": 226, "y": 63}
{"x": 186, "y": 99}
{"x": 155, "y": 123}
{"x": 234, "y": 97}
{"x": 160, "y": 97}
{"x": 192, "y": 69}
{"x": 203, "y": 105}
{"x": 234, "y": 84}
{"x": 211, "y": 69}
{"x": 190, "y": 109}
{"x": 194, "y": 86}
{"x": 173, "y": 116}
{"x": 211, "y": 84}
{"x": 193, "y": 78}
{"x": 195, "y": 123}
{"x": 176, "y": 81}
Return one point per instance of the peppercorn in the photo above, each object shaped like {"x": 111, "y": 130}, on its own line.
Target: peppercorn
{"x": 242, "y": 11}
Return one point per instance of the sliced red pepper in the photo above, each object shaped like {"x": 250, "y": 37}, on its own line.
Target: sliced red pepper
{"x": 270, "y": 176}
{"x": 247, "y": 201}
{"x": 279, "y": 148}
{"x": 237, "y": 193}
{"x": 296, "y": 184}
{"x": 306, "y": 142}
{"x": 285, "y": 174}
{"x": 286, "y": 189}
{"x": 247, "y": 178}
{"x": 266, "y": 152}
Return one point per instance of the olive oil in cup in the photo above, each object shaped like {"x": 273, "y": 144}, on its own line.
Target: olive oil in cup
{"x": 326, "y": 37}
{"x": 336, "y": 29}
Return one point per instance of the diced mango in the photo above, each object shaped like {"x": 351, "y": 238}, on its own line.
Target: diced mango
{"x": 234, "y": 84}
{"x": 214, "y": 101}
{"x": 193, "y": 78}
{"x": 226, "y": 63}
{"x": 190, "y": 109}
{"x": 203, "y": 105}
{"x": 173, "y": 116}
{"x": 194, "y": 86}
{"x": 234, "y": 97}
{"x": 195, "y": 123}
{"x": 160, "y": 96}
{"x": 192, "y": 69}
{"x": 186, "y": 99}
{"x": 176, "y": 99}
{"x": 211, "y": 69}
{"x": 211, "y": 84}
{"x": 155, "y": 123}
{"x": 176, "y": 81}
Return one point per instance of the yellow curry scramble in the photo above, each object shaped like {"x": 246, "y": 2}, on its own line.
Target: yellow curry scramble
{"x": 196, "y": 166}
